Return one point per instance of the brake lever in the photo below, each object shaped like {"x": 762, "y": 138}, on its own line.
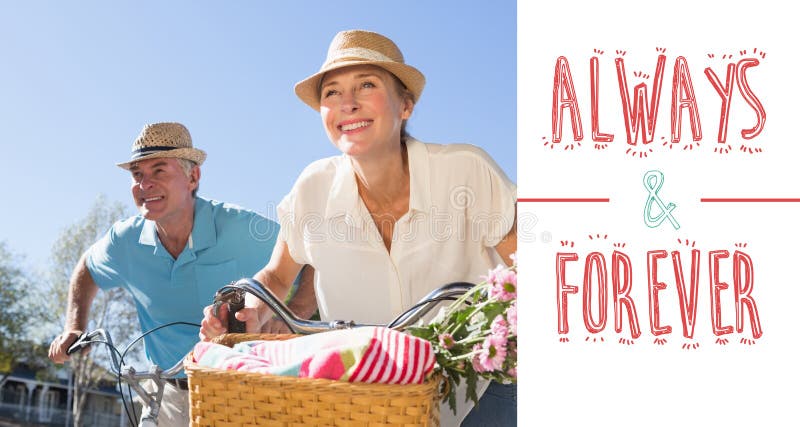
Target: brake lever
{"x": 234, "y": 299}
{"x": 78, "y": 344}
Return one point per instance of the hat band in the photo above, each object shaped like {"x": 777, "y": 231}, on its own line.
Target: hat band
{"x": 146, "y": 151}
{"x": 359, "y": 52}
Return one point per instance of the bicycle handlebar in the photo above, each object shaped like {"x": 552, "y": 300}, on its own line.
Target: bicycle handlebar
{"x": 304, "y": 327}
{"x": 89, "y": 338}
{"x": 78, "y": 344}
{"x": 428, "y": 302}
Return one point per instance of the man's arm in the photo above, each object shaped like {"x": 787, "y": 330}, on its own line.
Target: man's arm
{"x": 82, "y": 291}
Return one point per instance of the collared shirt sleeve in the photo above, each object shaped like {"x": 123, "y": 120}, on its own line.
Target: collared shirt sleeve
{"x": 500, "y": 200}
{"x": 490, "y": 196}
{"x": 104, "y": 260}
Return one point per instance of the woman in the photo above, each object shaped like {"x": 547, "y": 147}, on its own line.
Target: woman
{"x": 392, "y": 218}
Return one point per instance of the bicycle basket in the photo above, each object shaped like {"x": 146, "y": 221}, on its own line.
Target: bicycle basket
{"x": 232, "y": 398}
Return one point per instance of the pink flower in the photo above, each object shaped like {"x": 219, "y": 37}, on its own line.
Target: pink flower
{"x": 446, "y": 341}
{"x": 504, "y": 286}
{"x": 512, "y": 372}
{"x": 511, "y": 315}
{"x": 493, "y": 354}
{"x": 476, "y": 359}
{"x": 500, "y": 326}
{"x": 493, "y": 274}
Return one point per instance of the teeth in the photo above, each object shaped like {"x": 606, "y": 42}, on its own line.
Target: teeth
{"x": 355, "y": 125}
{"x": 152, "y": 199}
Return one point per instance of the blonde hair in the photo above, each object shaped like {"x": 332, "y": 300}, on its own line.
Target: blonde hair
{"x": 405, "y": 95}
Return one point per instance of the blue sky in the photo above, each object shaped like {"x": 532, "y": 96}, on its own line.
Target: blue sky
{"x": 78, "y": 81}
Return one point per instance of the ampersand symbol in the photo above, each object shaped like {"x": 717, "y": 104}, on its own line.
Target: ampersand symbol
{"x": 653, "y": 180}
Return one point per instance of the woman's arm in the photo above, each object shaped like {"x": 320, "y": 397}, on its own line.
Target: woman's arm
{"x": 508, "y": 245}
{"x": 280, "y": 272}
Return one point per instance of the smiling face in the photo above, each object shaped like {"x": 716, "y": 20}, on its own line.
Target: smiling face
{"x": 363, "y": 109}
{"x": 161, "y": 189}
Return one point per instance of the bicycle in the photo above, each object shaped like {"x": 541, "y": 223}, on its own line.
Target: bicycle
{"x": 233, "y": 295}
{"x": 151, "y": 401}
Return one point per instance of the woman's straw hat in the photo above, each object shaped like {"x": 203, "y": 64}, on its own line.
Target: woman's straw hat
{"x": 164, "y": 140}
{"x": 359, "y": 47}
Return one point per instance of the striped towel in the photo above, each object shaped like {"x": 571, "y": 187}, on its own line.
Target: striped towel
{"x": 369, "y": 355}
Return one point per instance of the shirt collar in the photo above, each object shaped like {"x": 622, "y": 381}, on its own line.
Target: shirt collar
{"x": 343, "y": 196}
{"x": 204, "y": 233}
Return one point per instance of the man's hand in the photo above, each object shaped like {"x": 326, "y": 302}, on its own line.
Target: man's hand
{"x": 60, "y": 345}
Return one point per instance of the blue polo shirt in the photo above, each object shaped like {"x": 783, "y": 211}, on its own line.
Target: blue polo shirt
{"x": 227, "y": 243}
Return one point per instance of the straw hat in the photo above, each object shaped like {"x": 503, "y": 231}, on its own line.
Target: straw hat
{"x": 164, "y": 140}
{"x": 359, "y": 47}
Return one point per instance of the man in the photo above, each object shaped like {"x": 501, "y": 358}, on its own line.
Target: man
{"x": 172, "y": 257}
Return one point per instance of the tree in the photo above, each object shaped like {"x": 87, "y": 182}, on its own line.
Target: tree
{"x": 13, "y": 320}
{"x": 112, "y": 310}
{"x": 21, "y": 319}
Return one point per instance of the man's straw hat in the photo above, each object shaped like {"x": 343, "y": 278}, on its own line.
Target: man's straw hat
{"x": 359, "y": 47}
{"x": 164, "y": 140}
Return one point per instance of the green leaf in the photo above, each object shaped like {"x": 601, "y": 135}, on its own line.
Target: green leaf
{"x": 472, "y": 382}
{"x": 425, "y": 333}
{"x": 451, "y": 397}
{"x": 455, "y": 377}
{"x": 493, "y": 310}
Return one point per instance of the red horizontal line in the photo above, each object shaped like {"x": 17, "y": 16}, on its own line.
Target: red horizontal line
{"x": 564, "y": 200}
{"x": 749, "y": 200}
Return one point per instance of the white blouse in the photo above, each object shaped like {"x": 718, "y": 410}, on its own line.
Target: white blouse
{"x": 461, "y": 206}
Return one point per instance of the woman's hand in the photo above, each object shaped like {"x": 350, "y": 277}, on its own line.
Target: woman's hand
{"x": 276, "y": 326}
{"x": 211, "y": 326}
{"x": 255, "y": 315}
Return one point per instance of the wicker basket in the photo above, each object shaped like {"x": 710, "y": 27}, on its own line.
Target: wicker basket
{"x": 232, "y": 398}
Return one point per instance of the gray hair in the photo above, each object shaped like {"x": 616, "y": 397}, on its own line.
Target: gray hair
{"x": 187, "y": 166}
